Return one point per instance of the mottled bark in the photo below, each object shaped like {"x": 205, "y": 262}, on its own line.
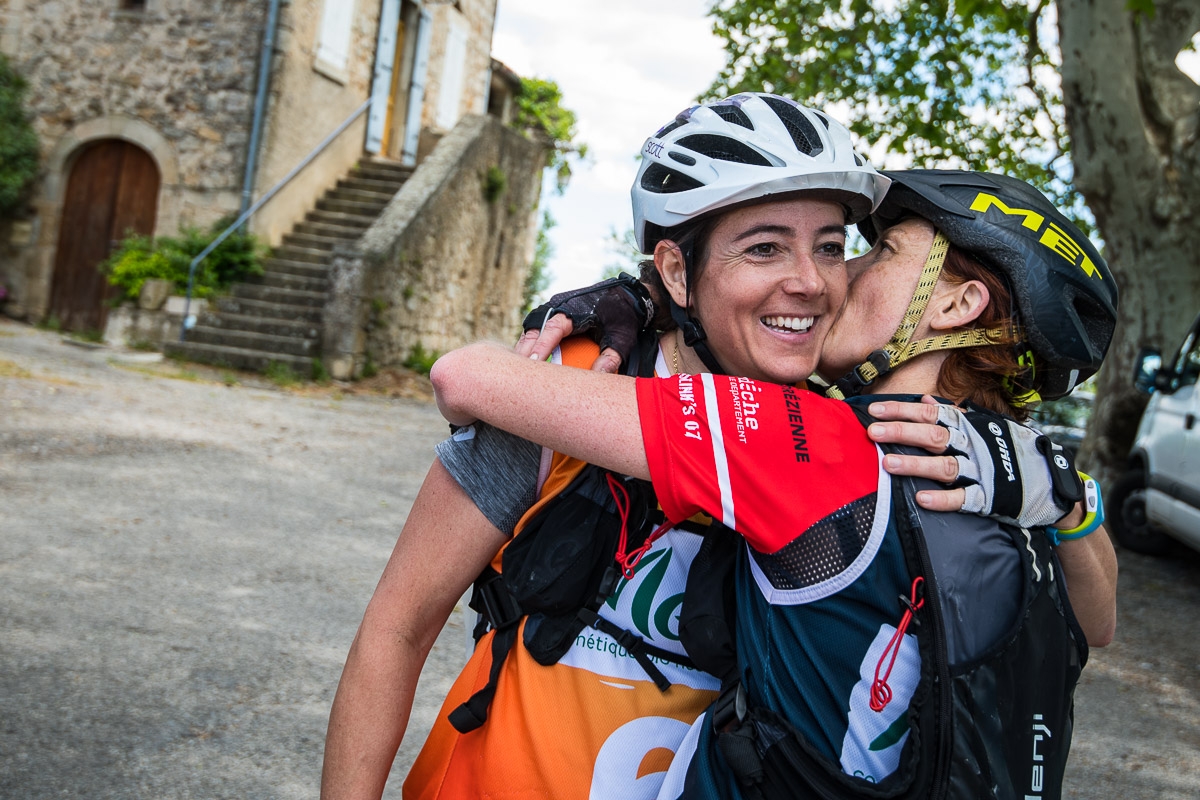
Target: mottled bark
{"x": 1133, "y": 118}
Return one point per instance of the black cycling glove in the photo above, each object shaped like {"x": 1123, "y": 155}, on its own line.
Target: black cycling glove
{"x": 612, "y": 312}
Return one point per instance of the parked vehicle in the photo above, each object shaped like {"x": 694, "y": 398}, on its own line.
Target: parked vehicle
{"x": 1158, "y": 499}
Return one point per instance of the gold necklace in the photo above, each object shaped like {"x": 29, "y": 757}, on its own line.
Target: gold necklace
{"x": 675, "y": 357}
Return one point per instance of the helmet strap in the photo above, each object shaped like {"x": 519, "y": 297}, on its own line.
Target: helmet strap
{"x": 896, "y": 352}
{"x": 694, "y": 335}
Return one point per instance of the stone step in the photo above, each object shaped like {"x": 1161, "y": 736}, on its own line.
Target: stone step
{"x": 252, "y": 340}
{"x": 365, "y": 184}
{"x": 367, "y": 211}
{"x": 286, "y": 280}
{"x": 310, "y": 241}
{"x": 343, "y": 232}
{"x": 305, "y": 269}
{"x": 359, "y": 196}
{"x": 271, "y": 294}
{"x": 339, "y": 219}
{"x": 306, "y": 254}
{"x": 382, "y": 170}
{"x": 266, "y": 309}
{"x": 237, "y": 357}
{"x": 304, "y": 329}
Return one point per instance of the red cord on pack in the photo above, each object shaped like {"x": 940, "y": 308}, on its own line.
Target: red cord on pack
{"x": 628, "y": 561}
{"x": 881, "y": 693}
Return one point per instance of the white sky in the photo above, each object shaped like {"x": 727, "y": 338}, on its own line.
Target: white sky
{"x": 625, "y": 67}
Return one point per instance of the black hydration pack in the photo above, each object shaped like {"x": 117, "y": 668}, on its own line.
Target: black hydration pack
{"x": 561, "y": 567}
{"x": 998, "y": 727}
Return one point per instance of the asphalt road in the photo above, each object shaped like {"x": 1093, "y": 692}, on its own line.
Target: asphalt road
{"x": 183, "y": 564}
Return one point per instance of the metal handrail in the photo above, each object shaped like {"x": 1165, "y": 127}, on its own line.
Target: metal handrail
{"x": 189, "y": 321}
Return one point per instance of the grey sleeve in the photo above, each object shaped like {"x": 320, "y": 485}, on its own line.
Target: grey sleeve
{"x": 497, "y": 470}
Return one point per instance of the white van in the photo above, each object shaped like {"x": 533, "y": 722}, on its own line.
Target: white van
{"x": 1158, "y": 499}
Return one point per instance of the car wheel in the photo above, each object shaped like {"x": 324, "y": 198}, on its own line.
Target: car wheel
{"x": 1126, "y": 507}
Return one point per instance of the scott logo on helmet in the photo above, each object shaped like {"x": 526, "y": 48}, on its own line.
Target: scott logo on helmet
{"x": 653, "y": 148}
{"x": 1052, "y": 236}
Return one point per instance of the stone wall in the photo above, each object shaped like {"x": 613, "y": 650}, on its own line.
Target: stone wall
{"x": 177, "y": 79}
{"x": 185, "y": 67}
{"x": 446, "y": 262}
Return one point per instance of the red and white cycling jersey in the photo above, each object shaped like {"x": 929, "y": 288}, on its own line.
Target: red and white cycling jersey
{"x": 768, "y": 461}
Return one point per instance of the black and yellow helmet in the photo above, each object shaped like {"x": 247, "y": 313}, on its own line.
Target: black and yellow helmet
{"x": 1066, "y": 296}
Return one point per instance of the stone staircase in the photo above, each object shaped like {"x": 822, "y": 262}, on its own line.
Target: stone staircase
{"x": 277, "y": 317}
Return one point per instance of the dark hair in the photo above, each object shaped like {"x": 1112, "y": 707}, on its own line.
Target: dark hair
{"x": 989, "y": 376}
{"x": 692, "y": 239}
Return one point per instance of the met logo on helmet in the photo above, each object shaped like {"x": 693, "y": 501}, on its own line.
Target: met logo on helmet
{"x": 1052, "y": 237}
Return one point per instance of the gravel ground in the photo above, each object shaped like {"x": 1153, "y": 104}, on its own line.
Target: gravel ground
{"x": 185, "y": 554}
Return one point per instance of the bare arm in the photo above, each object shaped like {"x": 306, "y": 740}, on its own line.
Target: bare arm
{"x": 589, "y": 415}
{"x": 1090, "y": 565}
{"x": 446, "y": 541}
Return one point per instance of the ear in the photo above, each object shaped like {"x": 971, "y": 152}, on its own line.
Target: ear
{"x": 668, "y": 260}
{"x": 957, "y": 305}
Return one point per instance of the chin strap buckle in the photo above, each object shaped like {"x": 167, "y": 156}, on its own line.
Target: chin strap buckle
{"x": 876, "y": 366}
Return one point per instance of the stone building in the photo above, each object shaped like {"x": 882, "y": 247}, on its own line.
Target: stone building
{"x": 155, "y": 114}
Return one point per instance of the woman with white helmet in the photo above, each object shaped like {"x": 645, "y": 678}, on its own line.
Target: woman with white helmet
{"x": 836, "y": 690}
{"x": 604, "y": 717}
{"x": 763, "y": 268}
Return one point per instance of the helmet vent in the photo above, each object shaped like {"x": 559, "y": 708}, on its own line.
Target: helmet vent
{"x": 803, "y": 134}
{"x": 678, "y": 122}
{"x": 663, "y": 180}
{"x": 722, "y": 148}
{"x": 824, "y": 119}
{"x": 733, "y": 115}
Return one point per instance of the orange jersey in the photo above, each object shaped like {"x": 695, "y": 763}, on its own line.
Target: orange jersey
{"x": 592, "y": 725}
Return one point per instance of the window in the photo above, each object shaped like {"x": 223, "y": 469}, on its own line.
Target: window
{"x": 450, "y": 93}
{"x": 333, "y": 38}
{"x": 1188, "y": 364}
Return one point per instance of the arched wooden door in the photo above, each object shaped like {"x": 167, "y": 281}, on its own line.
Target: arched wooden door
{"x": 113, "y": 189}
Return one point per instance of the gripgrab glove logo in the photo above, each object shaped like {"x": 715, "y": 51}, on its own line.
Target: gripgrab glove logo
{"x": 1002, "y": 444}
{"x": 1052, "y": 236}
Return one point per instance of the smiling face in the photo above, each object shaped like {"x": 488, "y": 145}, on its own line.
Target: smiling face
{"x": 773, "y": 279}
{"x": 881, "y": 284}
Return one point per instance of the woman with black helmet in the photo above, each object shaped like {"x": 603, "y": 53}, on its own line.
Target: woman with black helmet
{"x": 806, "y": 712}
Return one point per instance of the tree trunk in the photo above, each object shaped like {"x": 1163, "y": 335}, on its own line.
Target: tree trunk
{"x": 1133, "y": 119}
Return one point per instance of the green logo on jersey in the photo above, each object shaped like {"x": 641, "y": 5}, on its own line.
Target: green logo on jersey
{"x": 643, "y": 600}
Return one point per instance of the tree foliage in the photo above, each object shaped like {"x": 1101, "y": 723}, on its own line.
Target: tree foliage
{"x": 540, "y": 111}
{"x": 18, "y": 141}
{"x": 944, "y": 83}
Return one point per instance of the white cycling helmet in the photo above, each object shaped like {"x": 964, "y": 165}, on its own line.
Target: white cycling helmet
{"x": 746, "y": 148}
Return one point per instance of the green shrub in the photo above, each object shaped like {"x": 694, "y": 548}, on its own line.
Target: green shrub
{"x": 494, "y": 184}
{"x": 18, "y": 142}
{"x": 369, "y": 369}
{"x": 281, "y": 374}
{"x": 139, "y": 258}
{"x": 419, "y": 360}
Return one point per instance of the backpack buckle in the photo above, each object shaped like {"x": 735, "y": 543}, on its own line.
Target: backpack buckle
{"x": 729, "y": 709}
{"x": 492, "y": 599}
